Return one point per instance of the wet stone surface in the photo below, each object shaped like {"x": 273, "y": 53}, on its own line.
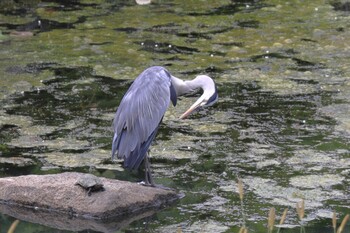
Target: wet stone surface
{"x": 56, "y": 198}
{"x": 281, "y": 124}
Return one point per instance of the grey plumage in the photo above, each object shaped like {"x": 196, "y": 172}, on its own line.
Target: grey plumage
{"x": 139, "y": 114}
{"x": 142, "y": 108}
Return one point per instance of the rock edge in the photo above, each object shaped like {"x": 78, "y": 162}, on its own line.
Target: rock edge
{"x": 59, "y": 193}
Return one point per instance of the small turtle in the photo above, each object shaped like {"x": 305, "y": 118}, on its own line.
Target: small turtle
{"x": 90, "y": 183}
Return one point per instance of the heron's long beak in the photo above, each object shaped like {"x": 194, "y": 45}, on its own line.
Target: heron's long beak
{"x": 190, "y": 110}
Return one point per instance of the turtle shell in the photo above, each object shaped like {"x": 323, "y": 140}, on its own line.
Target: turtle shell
{"x": 90, "y": 182}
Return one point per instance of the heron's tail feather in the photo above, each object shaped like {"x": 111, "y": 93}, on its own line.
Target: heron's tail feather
{"x": 115, "y": 145}
{"x": 135, "y": 158}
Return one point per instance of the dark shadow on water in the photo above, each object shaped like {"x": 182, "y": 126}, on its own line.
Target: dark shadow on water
{"x": 63, "y": 222}
{"x": 234, "y": 7}
{"x": 67, "y": 96}
{"x": 27, "y": 7}
{"x": 8, "y": 132}
{"x": 42, "y": 25}
{"x": 202, "y": 31}
{"x": 300, "y": 64}
{"x": 341, "y": 5}
{"x": 158, "y": 47}
{"x": 32, "y": 68}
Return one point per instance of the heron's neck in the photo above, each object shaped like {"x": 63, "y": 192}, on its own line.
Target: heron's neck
{"x": 183, "y": 87}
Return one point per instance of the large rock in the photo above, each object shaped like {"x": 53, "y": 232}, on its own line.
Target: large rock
{"x": 60, "y": 194}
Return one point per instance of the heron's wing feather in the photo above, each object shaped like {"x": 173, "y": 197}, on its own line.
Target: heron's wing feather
{"x": 135, "y": 158}
{"x": 139, "y": 115}
{"x": 173, "y": 96}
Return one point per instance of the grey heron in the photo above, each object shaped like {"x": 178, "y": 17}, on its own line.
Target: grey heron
{"x": 142, "y": 109}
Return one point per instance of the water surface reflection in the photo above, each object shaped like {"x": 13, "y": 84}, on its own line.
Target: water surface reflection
{"x": 281, "y": 123}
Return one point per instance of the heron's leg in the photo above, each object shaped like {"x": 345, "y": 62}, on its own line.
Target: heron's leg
{"x": 148, "y": 176}
{"x": 148, "y": 172}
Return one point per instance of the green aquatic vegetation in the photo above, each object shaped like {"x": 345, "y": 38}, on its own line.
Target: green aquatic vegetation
{"x": 281, "y": 122}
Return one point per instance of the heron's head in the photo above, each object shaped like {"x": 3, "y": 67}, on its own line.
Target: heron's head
{"x": 209, "y": 96}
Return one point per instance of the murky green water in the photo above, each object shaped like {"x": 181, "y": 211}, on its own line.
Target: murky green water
{"x": 281, "y": 124}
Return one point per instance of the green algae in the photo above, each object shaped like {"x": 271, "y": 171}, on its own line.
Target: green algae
{"x": 30, "y": 141}
{"x": 281, "y": 123}
{"x": 72, "y": 160}
{"x": 17, "y": 161}
{"x": 315, "y": 181}
{"x": 288, "y": 196}
{"x": 339, "y": 112}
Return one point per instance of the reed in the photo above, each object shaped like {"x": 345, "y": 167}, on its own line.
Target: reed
{"x": 241, "y": 196}
{"x": 284, "y": 216}
{"x": 243, "y": 230}
{"x": 13, "y": 226}
{"x": 334, "y": 221}
{"x": 271, "y": 220}
{"x": 301, "y": 209}
{"x": 343, "y": 223}
{"x": 240, "y": 189}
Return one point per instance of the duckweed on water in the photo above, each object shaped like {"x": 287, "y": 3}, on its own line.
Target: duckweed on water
{"x": 281, "y": 123}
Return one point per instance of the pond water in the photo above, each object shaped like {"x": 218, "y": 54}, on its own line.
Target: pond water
{"x": 281, "y": 124}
